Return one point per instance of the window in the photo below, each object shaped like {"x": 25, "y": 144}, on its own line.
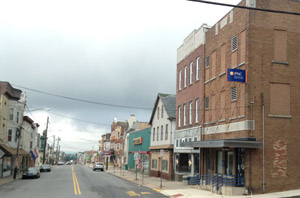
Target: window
{"x": 233, "y": 94}
{"x": 184, "y": 115}
{"x": 190, "y": 139}
{"x": 177, "y": 141}
{"x": 162, "y": 111}
{"x": 197, "y": 111}
{"x": 157, "y": 138}
{"x": 18, "y": 117}
{"x": 195, "y": 139}
{"x": 166, "y": 135}
{"x": 165, "y": 165}
{"x": 161, "y": 132}
{"x": 154, "y": 164}
{"x": 118, "y": 147}
{"x": 185, "y": 76}
{"x": 280, "y": 45}
{"x": 30, "y": 144}
{"x": 191, "y": 73}
{"x": 190, "y": 113}
{"x": 153, "y": 131}
{"x": 180, "y": 80}
{"x": 207, "y": 61}
{"x": 280, "y": 99}
{"x": 206, "y": 102}
{"x": 11, "y": 114}
{"x": 179, "y": 116}
{"x": 9, "y": 135}
{"x": 180, "y": 142}
{"x": 198, "y": 68}
{"x": 234, "y": 43}
{"x": 158, "y": 113}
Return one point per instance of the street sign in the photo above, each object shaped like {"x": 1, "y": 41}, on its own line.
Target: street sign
{"x": 1, "y": 153}
{"x": 107, "y": 153}
{"x": 237, "y": 75}
{"x": 161, "y": 152}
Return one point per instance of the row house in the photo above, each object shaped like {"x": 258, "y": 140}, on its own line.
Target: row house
{"x": 12, "y": 132}
{"x": 163, "y": 123}
{"x": 117, "y": 141}
{"x": 237, "y": 97}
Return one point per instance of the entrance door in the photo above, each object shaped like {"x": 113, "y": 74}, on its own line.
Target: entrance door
{"x": 219, "y": 162}
{"x": 240, "y": 162}
{"x": 229, "y": 164}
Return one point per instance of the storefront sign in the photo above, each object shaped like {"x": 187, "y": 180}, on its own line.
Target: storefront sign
{"x": 138, "y": 140}
{"x": 237, "y": 75}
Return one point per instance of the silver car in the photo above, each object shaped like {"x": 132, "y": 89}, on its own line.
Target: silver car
{"x": 98, "y": 166}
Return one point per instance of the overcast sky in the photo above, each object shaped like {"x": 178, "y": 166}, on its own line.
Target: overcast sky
{"x": 116, "y": 52}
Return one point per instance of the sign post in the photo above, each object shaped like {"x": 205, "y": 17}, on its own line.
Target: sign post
{"x": 161, "y": 157}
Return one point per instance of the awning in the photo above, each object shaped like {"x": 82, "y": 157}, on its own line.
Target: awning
{"x": 169, "y": 146}
{"x": 11, "y": 151}
{"x": 225, "y": 143}
{"x": 8, "y": 150}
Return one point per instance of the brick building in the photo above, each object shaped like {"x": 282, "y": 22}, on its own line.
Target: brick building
{"x": 249, "y": 130}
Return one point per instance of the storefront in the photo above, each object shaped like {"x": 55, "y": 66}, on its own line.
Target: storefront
{"x": 138, "y": 150}
{"x": 226, "y": 159}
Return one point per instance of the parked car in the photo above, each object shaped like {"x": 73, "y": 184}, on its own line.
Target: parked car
{"x": 98, "y": 166}
{"x": 45, "y": 168}
{"x": 32, "y": 172}
{"x": 69, "y": 163}
{"x": 60, "y": 163}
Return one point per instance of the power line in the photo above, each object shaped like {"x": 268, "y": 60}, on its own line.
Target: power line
{"x": 247, "y": 8}
{"x": 77, "y": 119}
{"x": 82, "y": 100}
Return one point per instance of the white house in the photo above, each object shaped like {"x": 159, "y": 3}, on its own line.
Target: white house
{"x": 162, "y": 123}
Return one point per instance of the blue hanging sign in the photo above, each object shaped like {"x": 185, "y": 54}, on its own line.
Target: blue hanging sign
{"x": 237, "y": 75}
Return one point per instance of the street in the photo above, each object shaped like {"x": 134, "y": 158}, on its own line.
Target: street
{"x": 75, "y": 181}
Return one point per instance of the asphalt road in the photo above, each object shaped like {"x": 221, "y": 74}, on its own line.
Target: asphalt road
{"x": 76, "y": 181}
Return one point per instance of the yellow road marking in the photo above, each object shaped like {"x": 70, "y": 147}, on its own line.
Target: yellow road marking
{"x": 155, "y": 189}
{"x": 132, "y": 194}
{"x": 146, "y": 193}
{"x": 75, "y": 191}
{"x": 75, "y": 182}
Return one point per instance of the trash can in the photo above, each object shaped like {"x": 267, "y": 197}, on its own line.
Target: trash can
{"x": 126, "y": 167}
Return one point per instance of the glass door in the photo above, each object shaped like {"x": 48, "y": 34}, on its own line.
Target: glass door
{"x": 219, "y": 162}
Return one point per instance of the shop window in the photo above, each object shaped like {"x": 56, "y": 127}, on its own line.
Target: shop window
{"x": 154, "y": 164}
{"x": 165, "y": 165}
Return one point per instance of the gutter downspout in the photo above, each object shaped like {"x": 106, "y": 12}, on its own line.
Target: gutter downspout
{"x": 263, "y": 131}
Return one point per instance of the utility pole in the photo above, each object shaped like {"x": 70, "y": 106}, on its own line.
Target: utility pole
{"x": 44, "y": 153}
{"x": 53, "y": 150}
{"x": 57, "y": 155}
{"x": 17, "y": 156}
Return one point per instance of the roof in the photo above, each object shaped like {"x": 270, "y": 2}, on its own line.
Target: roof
{"x": 6, "y": 88}
{"x": 169, "y": 102}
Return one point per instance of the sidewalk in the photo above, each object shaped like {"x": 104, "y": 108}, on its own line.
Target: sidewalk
{"x": 9, "y": 179}
{"x": 178, "y": 189}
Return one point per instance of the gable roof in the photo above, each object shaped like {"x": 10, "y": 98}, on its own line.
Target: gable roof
{"x": 169, "y": 102}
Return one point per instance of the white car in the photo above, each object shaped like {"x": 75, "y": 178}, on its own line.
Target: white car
{"x": 99, "y": 166}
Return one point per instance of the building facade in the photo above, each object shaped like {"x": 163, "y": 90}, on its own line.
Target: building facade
{"x": 138, "y": 150}
{"x": 249, "y": 129}
{"x": 163, "y": 125}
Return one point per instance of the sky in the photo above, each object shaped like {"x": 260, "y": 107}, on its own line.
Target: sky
{"x": 111, "y": 52}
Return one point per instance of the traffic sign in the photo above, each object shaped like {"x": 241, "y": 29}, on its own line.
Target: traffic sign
{"x": 161, "y": 152}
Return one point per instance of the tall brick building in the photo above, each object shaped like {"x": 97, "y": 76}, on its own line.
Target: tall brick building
{"x": 247, "y": 130}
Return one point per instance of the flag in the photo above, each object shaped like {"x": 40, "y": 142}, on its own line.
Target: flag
{"x": 32, "y": 154}
{"x": 16, "y": 162}
{"x": 36, "y": 153}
